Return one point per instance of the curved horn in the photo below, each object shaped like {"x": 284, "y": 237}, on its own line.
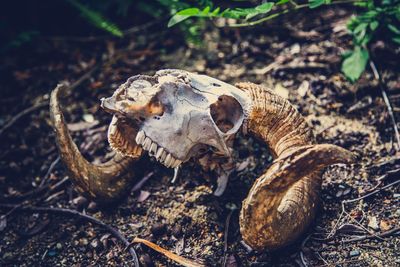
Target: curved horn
{"x": 283, "y": 201}
{"x": 105, "y": 182}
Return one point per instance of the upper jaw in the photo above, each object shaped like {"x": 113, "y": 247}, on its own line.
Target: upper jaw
{"x": 156, "y": 151}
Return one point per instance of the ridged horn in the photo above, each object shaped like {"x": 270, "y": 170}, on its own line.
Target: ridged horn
{"x": 283, "y": 201}
{"x": 104, "y": 182}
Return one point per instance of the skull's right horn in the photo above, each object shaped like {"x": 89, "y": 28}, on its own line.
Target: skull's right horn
{"x": 105, "y": 182}
{"x": 283, "y": 201}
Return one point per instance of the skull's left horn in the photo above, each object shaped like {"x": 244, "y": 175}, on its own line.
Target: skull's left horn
{"x": 282, "y": 202}
{"x": 104, "y": 182}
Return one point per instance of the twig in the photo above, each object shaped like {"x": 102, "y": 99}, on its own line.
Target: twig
{"x": 35, "y": 192}
{"x": 387, "y": 101}
{"x": 179, "y": 259}
{"x": 51, "y": 168}
{"x": 45, "y": 103}
{"x": 370, "y": 194}
{"x": 140, "y": 184}
{"x": 302, "y": 257}
{"x": 226, "y": 232}
{"x": 381, "y": 235}
{"x": 22, "y": 114}
{"x": 80, "y": 215}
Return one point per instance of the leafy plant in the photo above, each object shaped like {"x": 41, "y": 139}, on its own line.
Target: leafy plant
{"x": 377, "y": 16}
{"x": 97, "y": 19}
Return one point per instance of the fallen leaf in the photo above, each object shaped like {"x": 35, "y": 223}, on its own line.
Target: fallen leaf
{"x": 3, "y": 223}
{"x": 385, "y": 225}
{"x": 281, "y": 91}
{"x": 373, "y": 223}
{"x": 143, "y": 195}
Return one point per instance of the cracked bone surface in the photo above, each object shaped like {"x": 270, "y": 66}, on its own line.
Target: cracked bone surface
{"x": 174, "y": 114}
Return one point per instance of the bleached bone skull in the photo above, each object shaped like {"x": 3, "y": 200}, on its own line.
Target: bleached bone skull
{"x": 177, "y": 113}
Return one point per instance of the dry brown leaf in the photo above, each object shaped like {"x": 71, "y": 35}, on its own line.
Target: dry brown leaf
{"x": 181, "y": 260}
{"x": 385, "y": 225}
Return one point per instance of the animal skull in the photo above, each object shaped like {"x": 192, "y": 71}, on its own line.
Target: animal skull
{"x": 174, "y": 114}
{"x": 177, "y": 113}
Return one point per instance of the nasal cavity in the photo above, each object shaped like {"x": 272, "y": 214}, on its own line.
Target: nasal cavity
{"x": 227, "y": 113}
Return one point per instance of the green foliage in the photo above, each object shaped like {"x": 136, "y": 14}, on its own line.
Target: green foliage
{"x": 318, "y": 3}
{"x": 377, "y": 16}
{"x": 364, "y": 27}
{"x": 208, "y": 12}
{"x": 97, "y": 19}
{"x": 354, "y": 63}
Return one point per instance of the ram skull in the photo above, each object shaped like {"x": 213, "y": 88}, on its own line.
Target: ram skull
{"x": 174, "y": 115}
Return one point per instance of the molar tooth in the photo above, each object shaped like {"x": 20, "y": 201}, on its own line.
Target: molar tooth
{"x": 140, "y": 137}
{"x": 159, "y": 153}
{"x": 167, "y": 161}
{"x": 163, "y": 156}
{"x": 177, "y": 163}
{"x": 153, "y": 149}
{"x": 147, "y": 143}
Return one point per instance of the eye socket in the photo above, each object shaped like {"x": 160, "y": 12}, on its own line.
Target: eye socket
{"x": 155, "y": 107}
{"x": 227, "y": 113}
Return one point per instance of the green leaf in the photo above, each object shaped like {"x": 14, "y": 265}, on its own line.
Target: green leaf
{"x": 260, "y": 9}
{"x": 264, "y": 8}
{"x": 97, "y": 19}
{"x": 206, "y": 10}
{"x": 315, "y": 3}
{"x": 282, "y": 2}
{"x": 182, "y": 15}
{"x": 396, "y": 39}
{"x": 215, "y": 12}
{"x": 393, "y": 28}
{"x": 175, "y": 19}
{"x": 354, "y": 64}
{"x": 189, "y": 11}
{"x": 374, "y": 25}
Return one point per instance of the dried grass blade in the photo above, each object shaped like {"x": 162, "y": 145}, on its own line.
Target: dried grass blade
{"x": 181, "y": 260}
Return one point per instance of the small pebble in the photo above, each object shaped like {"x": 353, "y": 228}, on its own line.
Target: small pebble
{"x": 95, "y": 243}
{"x": 83, "y": 241}
{"x": 59, "y": 246}
{"x": 354, "y": 253}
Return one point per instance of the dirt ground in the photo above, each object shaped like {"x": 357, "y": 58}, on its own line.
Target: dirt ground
{"x": 299, "y": 59}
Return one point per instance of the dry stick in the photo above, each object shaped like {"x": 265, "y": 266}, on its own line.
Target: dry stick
{"x": 332, "y": 232}
{"x": 21, "y": 114}
{"x": 381, "y": 235}
{"x": 302, "y": 257}
{"x": 370, "y": 194}
{"x": 387, "y": 101}
{"x": 49, "y": 171}
{"x": 179, "y": 259}
{"x": 80, "y": 215}
{"x": 45, "y": 103}
{"x": 372, "y": 235}
{"x": 228, "y": 219}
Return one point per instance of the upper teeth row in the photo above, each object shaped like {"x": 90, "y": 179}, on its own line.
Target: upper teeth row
{"x": 155, "y": 151}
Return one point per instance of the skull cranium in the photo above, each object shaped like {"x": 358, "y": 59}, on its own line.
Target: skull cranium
{"x": 177, "y": 113}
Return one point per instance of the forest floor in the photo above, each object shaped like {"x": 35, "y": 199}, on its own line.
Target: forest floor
{"x": 299, "y": 58}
